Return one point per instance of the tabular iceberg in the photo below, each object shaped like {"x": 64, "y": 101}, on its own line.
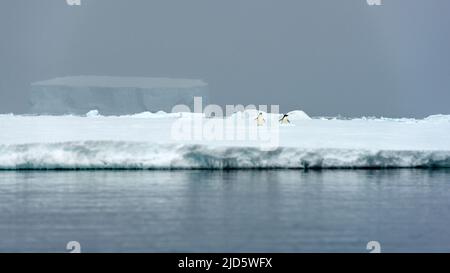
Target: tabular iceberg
{"x": 113, "y": 95}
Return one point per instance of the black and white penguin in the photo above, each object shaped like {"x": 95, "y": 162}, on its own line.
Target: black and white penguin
{"x": 260, "y": 120}
{"x": 284, "y": 119}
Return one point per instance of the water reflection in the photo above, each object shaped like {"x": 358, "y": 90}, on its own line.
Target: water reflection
{"x": 198, "y": 211}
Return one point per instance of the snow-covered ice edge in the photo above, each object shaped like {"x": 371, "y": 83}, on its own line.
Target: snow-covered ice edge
{"x": 98, "y": 155}
{"x": 143, "y": 142}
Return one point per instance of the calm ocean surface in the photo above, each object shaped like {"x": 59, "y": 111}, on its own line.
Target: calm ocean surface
{"x": 405, "y": 210}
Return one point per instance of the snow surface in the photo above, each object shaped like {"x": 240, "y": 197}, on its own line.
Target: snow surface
{"x": 113, "y": 95}
{"x": 147, "y": 141}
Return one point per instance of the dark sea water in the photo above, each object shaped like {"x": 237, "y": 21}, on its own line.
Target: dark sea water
{"x": 406, "y": 210}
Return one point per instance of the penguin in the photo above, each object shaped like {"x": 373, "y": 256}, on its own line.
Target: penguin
{"x": 260, "y": 120}
{"x": 284, "y": 119}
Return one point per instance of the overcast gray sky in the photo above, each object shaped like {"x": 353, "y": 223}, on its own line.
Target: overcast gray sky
{"x": 326, "y": 57}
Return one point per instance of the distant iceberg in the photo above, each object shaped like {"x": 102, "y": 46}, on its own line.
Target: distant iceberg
{"x": 113, "y": 95}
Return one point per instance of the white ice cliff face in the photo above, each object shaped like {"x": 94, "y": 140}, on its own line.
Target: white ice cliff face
{"x": 113, "y": 95}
